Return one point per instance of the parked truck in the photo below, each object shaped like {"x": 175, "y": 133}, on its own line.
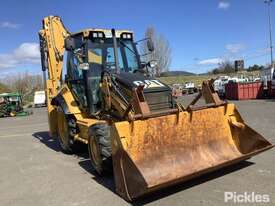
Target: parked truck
{"x": 39, "y": 99}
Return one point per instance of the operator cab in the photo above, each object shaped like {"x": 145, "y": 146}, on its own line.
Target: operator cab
{"x": 95, "y": 47}
{"x": 101, "y": 52}
{"x": 90, "y": 52}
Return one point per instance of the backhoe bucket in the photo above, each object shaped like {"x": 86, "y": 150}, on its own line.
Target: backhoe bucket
{"x": 157, "y": 152}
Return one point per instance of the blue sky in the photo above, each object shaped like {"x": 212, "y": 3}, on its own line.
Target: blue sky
{"x": 201, "y": 33}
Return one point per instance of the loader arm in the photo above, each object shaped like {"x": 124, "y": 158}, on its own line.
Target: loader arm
{"x": 52, "y": 38}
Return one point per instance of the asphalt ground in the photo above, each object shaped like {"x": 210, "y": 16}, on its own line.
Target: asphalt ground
{"x": 34, "y": 171}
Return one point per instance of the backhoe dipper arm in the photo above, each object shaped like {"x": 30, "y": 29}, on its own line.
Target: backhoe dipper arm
{"x": 52, "y": 38}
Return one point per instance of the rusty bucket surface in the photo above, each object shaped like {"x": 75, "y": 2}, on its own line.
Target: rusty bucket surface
{"x": 157, "y": 152}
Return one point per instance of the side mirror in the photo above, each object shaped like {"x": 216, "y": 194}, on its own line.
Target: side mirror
{"x": 152, "y": 64}
{"x": 69, "y": 44}
{"x": 84, "y": 66}
{"x": 150, "y": 45}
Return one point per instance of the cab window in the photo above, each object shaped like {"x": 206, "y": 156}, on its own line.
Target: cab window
{"x": 110, "y": 59}
{"x": 131, "y": 57}
{"x": 77, "y": 73}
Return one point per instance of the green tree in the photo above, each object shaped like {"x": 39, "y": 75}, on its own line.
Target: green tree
{"x": 226, "y": 67}
{"x": 255, "y": 67}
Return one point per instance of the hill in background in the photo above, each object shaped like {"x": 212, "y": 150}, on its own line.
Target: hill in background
{"x": 199, "y": 78}
{"x": 176, "y": 73}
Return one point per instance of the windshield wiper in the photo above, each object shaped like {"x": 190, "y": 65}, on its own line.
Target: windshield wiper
{"x": 123, "y": 44}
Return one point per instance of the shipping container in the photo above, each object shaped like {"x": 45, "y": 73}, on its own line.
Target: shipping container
{"x": 244, "y": 91}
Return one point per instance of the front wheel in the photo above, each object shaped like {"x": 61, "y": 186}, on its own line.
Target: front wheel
{"x": 100, "y": 148}
{"x": 65, "y": 140}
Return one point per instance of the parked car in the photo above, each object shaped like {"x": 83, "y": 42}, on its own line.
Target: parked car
{"x": 219, "y": 85}
{"x": 257, "y": 79}
{"x": 190, "y": 87}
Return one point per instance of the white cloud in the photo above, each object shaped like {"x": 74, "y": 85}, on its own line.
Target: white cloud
{"x": 212, "y": 61}
{"x": 235, "y": 48}
{"x": 26, "y": 53}
{"x": 223, "y": 5}
{"x": 6, "y": 61}
{"x": 9, "y": 25}
{"x": 233, "y": 52}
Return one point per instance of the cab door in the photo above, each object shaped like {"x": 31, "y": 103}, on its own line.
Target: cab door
{"x": 76, "y": 78}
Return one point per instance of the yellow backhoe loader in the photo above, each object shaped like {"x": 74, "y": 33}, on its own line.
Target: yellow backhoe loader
{"x": 132, "y": 125}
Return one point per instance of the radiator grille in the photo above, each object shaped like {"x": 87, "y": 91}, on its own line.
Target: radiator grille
{"x": 159, "y": 100}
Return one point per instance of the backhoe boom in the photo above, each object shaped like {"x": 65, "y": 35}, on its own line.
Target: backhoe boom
{"x": 52, "y": 38}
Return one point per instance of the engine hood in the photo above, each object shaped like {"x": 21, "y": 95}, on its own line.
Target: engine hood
{"x": 133, "y": 80}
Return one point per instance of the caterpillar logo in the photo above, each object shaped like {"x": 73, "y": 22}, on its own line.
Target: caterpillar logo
{"x": 149, "y": 83}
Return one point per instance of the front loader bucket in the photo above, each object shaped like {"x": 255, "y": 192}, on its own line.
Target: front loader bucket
{"x": 157, "y": 152}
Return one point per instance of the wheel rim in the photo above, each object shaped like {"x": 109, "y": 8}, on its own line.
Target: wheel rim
{"x": 95, "y": 155}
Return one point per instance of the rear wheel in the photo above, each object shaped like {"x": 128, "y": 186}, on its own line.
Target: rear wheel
{"x": 100, "y": 148}
{"x": 65, "y": 140}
